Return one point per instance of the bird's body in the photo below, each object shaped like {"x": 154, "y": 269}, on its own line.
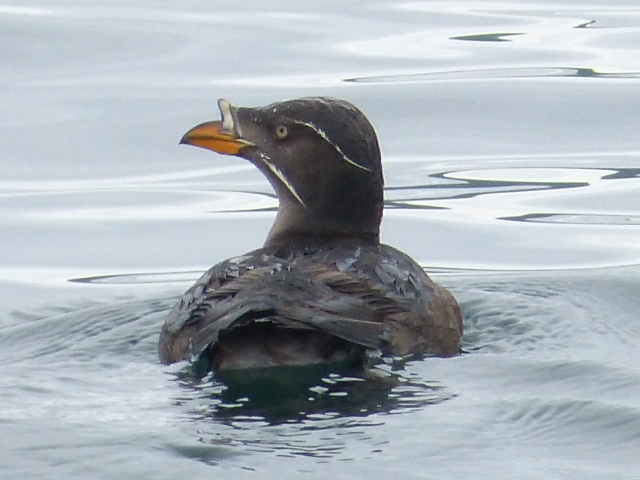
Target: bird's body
{"x": 322, "y": 289}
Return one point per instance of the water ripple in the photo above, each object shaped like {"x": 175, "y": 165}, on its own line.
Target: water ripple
{"x": 588, "y": 313}
{"x": 495, "y": 73}
{"x": 577, "y": 219}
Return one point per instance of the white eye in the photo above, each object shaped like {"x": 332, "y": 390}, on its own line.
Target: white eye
{"x": 282, "y": 132}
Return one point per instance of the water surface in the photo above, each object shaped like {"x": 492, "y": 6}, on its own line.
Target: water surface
{"x": 509, "y": 133}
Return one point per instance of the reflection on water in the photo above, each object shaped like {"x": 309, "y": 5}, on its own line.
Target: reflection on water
{"x": 465, "y": 188}
{"x": 286, "y": 395}
{"x": 301, "y": 412}
{"x": 468, "y": 185}
{"x": 487, "y": 37}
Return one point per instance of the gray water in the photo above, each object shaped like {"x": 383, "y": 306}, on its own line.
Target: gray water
{"x": 512, "y": 162}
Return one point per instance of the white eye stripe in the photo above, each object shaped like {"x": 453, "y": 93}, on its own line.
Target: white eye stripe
{"x": 278, "y": 173}
{"x": 322, "y": 134}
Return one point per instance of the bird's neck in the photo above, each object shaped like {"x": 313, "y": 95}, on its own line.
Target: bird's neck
{"x": 295, "y": 225}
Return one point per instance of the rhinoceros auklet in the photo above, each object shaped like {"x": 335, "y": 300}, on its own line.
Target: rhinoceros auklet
{"x": 323, "y": 288}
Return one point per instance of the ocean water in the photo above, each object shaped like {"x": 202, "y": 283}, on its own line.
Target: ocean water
{"x": 512, "y": 163}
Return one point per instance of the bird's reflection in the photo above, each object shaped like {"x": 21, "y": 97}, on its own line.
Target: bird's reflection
{"x": 295, "y": 394}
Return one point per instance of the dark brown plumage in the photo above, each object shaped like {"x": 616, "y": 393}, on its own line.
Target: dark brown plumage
{"x": 323, "y": 288}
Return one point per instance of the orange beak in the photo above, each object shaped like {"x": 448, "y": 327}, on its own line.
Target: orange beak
{"x": 209, "y": 135}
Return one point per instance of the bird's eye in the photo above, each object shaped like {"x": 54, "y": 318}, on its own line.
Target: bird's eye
{"x": 282, "y": 132}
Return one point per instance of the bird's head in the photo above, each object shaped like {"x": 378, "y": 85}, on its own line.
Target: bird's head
{"x": 321, "y": 156}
